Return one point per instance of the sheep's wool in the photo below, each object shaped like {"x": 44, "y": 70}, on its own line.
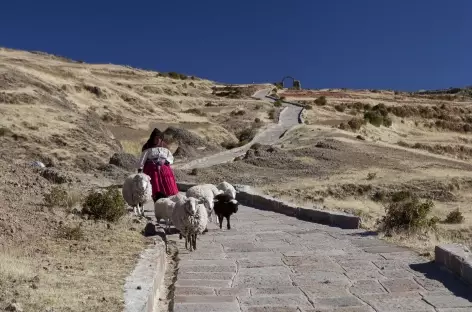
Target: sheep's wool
{"x": 227, "y": 188}
{"x": 186, "y": 222}
{"x": 137, "y": 189}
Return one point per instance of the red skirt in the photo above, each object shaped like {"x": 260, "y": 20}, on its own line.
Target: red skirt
{"x": 162, "y": 178}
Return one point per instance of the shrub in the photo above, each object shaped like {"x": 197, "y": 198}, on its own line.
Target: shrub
{"x": 109, "y": 205}
{"x": 60, "y": 197}
{"x": 240, "y": 112}
{"x": 195, "y": 111}
{"x": 355, "y": 123}
{"x": 321, "y": 101}
{"x": 257, "y": 120}
{"x": 308, "y": 106}
{"x": 278, "y": 103}
{"x": 256, "y": 146}
{"x": 258, "y": 106}
{"x": 247, "y": 134}
{"x": 70, "y": 232}
{"x": 407, "y": 213}
{"x": 5, "y": 131}
{"x": 194, "y": 172}
{"x": 374, "y": 117}
{"x": 454, "y": 217}
{"x": 340, "y": 108}
{"x": 371, "y": 175}
{"x": 271, "y": 113}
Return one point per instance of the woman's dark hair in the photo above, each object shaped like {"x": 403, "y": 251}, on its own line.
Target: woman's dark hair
{"x": 150, "y": 142}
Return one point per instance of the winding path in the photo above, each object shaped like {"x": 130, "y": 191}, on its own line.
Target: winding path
{"x": 269, "y": 262}
{"x": 288, "y": 118}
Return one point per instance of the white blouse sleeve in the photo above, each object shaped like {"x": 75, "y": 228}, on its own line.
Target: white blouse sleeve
{"x": 170, "y": 157}
{"x": 142, "y": 159}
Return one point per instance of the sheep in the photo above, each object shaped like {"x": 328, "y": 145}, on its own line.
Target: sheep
{"x": 190, "y": 218}
{"x": 137, "y": 191}
{"x": 164, "y": 206}
{"x": 227, "y": 188}
{"x": 207, "y": 192}
{"x": 225, "y": 206}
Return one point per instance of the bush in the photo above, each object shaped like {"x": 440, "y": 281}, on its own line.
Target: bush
{"x": 256, "y": 146}
{"x": 355, "y": 123}
{"x": 371, "y": 175}
{"x": 407, "y": 213}
{"x": 321, "y": 101}
{"x": 70, "y": 232}
{"x": 454, "y": 217}
{"x": 109, "y": 205}
{"x": 60, "y": 197}
{"x": 271, "y": 113}
{"x": 5, "y": 131}
{"x": 240, "y": 112}
{"x": 194, "y": 172}
{"x": 195, "y": 111}
{"x": 374, "y": 118}
{"x": 278, "y": 103}
{"x": 340, "y": 108}
{"x": 257, "y": 120}
{"x": 308, "y": 107}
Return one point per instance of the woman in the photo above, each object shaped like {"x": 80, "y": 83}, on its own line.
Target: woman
{"x": 155, "y": 161}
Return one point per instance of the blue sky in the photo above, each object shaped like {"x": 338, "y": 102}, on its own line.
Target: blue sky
{"x": 390, "y": 44}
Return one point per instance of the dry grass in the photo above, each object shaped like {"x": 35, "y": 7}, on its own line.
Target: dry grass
{"x": 80, "y": 275}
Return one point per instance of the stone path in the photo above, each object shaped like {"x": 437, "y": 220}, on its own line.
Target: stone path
{"x": 288, "y": 119}
{"x": 271, "y": 262}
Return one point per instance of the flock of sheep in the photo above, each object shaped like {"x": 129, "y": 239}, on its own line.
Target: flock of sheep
{"x": 189, "y": 212}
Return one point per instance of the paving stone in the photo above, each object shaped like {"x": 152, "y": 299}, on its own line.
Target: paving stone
{"x": 448, "y": 302}
{"x": 363, "y": 275}
{"x": 408, "y": 255}
{"x": 207, "y": 307}
{"x": 390, "y": 264}
{"x": 206, "y": 276}
{"x": 206, "y": 256}
{"x": 319, "y": 277}
{"x": 240, "y": 292}
{"x": 270, "y": 309}
{"x": 213, "y": 268}
{"x": 277, "y": 300}
{"x": 252, "y": 255}
{"x": 341, "y": 309}
{"x": 383, "y": 249}
{"x": 330, "y": 267}
{"x": 255, "y": 281}
{"x": 357, "y": 265}
{"x": 275, "y": 291}
{"x": 337, "y": 302}
{"x": 201, "y": 291}
{"x": 400, "y": 285}
{"x": 324, "y": 291}
{"x": 397, "y": 302}
{"x": 204, "y": 299}
{"x": 397, "y": 273}
{"x": 259, "y": 263}
{"x": 188, "y": 262}
{"x": 307, "y": 260}
{"x": 265, "y": 270}
{"x": 203, "y": 283}
{"x": 367, "y": 287}
{"x": 360, "y": 255}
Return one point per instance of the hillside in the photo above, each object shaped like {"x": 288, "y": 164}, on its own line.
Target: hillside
{"x": 74, "y": 117}
{"x": 77, "y": 115}
{"x": 357, "y": 148}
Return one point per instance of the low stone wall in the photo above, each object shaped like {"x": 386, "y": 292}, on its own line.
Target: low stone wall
{"x": 143, "y": 286}
{"x": 456, "y": 258}
{"x": 249, "y": 197}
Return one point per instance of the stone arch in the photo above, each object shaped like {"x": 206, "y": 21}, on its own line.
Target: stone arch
{"x": 288, "y": 77}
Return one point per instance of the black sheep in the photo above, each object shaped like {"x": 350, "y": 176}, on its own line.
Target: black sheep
{"x": 225, "y": 206}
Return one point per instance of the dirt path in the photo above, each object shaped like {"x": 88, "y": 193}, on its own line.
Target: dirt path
{"x": 270, "y": 135}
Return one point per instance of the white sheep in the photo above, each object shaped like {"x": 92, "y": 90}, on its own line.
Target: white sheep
{"x": 227, "y": 188}
{"x": 163, "y": 208}
{"x": 137, "y": 191}
{"x": 190, "y": 218}
{"x": 207, "y": 193}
